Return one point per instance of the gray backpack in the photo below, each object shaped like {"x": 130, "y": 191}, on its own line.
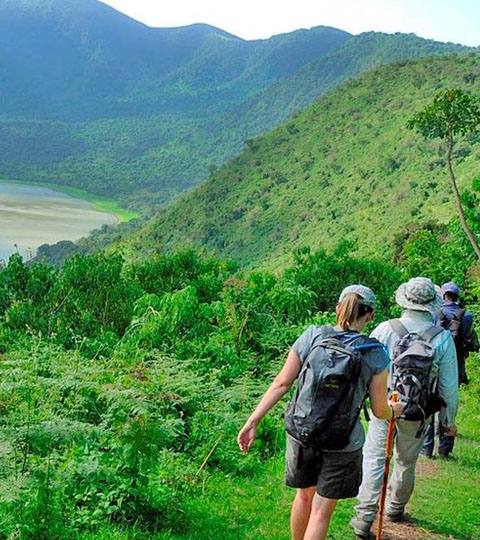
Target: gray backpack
{"x": 454, "y": 326}
{"x": 321, "y": 414}
{"x": 410, "y": 373}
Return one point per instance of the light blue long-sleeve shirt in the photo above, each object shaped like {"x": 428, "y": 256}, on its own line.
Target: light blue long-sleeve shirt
{"x": 445, "y": 362}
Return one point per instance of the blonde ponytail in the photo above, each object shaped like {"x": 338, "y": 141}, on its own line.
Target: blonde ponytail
{"x": 350, "y": 310}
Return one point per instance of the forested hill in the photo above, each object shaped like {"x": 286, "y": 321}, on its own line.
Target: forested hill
{"x": 363, "y": 53}
{"x": 93, "y": 99}
{"x": 346, "y": 168}
{"x": 80, "y": 59}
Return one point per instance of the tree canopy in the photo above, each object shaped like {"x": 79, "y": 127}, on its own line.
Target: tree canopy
{"x": 453, "y": 112}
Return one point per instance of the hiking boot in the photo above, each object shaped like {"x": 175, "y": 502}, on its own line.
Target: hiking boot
{"x": 361, "y": 528}
{"x": 395, "y": 518}
{"x": 370, "y": 536}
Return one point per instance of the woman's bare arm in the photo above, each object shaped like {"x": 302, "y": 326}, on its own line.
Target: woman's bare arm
{"x": 280, "y": 386}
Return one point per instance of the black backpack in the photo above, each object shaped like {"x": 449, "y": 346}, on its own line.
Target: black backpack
{"x": 321, "y": 414}
{"x": 412, "y": 362}
{"x": 453, "y": 325}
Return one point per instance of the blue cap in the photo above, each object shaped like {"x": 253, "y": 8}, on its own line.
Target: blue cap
{"x": 451, "y": 287}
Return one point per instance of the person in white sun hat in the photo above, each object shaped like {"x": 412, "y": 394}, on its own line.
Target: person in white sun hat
{"x": 420, "y": 299}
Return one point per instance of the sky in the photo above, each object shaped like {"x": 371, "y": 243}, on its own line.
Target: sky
{"x": 443, "y": 20}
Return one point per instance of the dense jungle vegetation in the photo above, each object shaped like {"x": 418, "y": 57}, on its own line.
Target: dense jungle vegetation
{"x": 123, "y": 385}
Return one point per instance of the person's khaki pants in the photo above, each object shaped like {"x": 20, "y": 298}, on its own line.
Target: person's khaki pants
{"x": 406, "y": 450}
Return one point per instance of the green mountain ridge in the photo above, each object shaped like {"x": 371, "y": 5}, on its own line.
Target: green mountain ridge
{"x": 346, "y": 168}
{"x": 364, "y": 53}
{"x": 81, "y": 59}
{"x": 153, "y": 158}
{"x": 96, "y": 100}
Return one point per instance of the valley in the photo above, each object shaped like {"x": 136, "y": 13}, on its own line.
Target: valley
{"x": 34, "y": 215}
{"x": 196, "y": 201}
{"x": 148, "y": 116}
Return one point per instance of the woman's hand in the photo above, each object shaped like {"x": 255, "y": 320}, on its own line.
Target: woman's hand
{"x": 279, "y": 387}
{"x": 247, "y": 435}
{"x": 397, "y": 408}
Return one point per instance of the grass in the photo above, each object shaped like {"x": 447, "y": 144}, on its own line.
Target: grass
{"x": 449, "y": 503}
{"x": 100, "y": 204}
{"x": 257, "y": 508}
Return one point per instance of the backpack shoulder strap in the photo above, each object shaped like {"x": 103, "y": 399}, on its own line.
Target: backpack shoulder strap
{"x": 432, "y": 332}
{"x": 459, "y": 314}
{"x": 365, "y": 342}
{"x": 398, "y": 328}
{"x": 327, "y": 332}
{"x": 441, "y": 316}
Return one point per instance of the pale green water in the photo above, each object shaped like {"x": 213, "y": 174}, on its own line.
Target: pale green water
{"x": 31, "y": 216}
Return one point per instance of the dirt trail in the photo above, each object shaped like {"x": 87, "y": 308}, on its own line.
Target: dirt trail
{"x": 407, "y": 529}
{"x": 425, "y": 467}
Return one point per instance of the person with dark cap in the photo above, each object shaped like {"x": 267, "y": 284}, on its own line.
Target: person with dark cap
{"x": 453, "y": 317}
{"x": 459, "y": 322}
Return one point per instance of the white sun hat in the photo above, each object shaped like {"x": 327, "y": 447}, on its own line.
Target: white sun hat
{"x": 419, "y": 294}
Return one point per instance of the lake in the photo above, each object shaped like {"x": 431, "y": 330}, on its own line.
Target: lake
{"x": 31, "y": 216}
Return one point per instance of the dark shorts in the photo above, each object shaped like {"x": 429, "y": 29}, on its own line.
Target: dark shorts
{"x": 337, "y": 475}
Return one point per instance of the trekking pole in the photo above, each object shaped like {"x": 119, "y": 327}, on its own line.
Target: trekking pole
{"x": 386, "y": 469}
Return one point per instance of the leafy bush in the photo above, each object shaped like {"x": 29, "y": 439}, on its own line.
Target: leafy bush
{"x": 122, "y": 386}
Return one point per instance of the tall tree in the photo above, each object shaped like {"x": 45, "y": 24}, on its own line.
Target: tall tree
{"x": 453, "y": 113}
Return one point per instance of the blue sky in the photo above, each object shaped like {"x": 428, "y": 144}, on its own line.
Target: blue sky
{"x": 443, "y": 20}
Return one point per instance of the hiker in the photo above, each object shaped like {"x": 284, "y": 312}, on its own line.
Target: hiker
{"x": 453, "y": 317}
{"x": 323, "y": 475}
{"x": 411, "y": 340}
{"x": 459, "y": 322}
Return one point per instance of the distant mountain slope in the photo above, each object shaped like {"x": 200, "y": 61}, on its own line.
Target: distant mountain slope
{"x": 93, "y": 99}
{"x": 346, "y": 168}
{"x": 78, "y": 58}
{"x": 64, "y": 57}
{"x": 365, "y": 52}
{"x": 234, "y": 70}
